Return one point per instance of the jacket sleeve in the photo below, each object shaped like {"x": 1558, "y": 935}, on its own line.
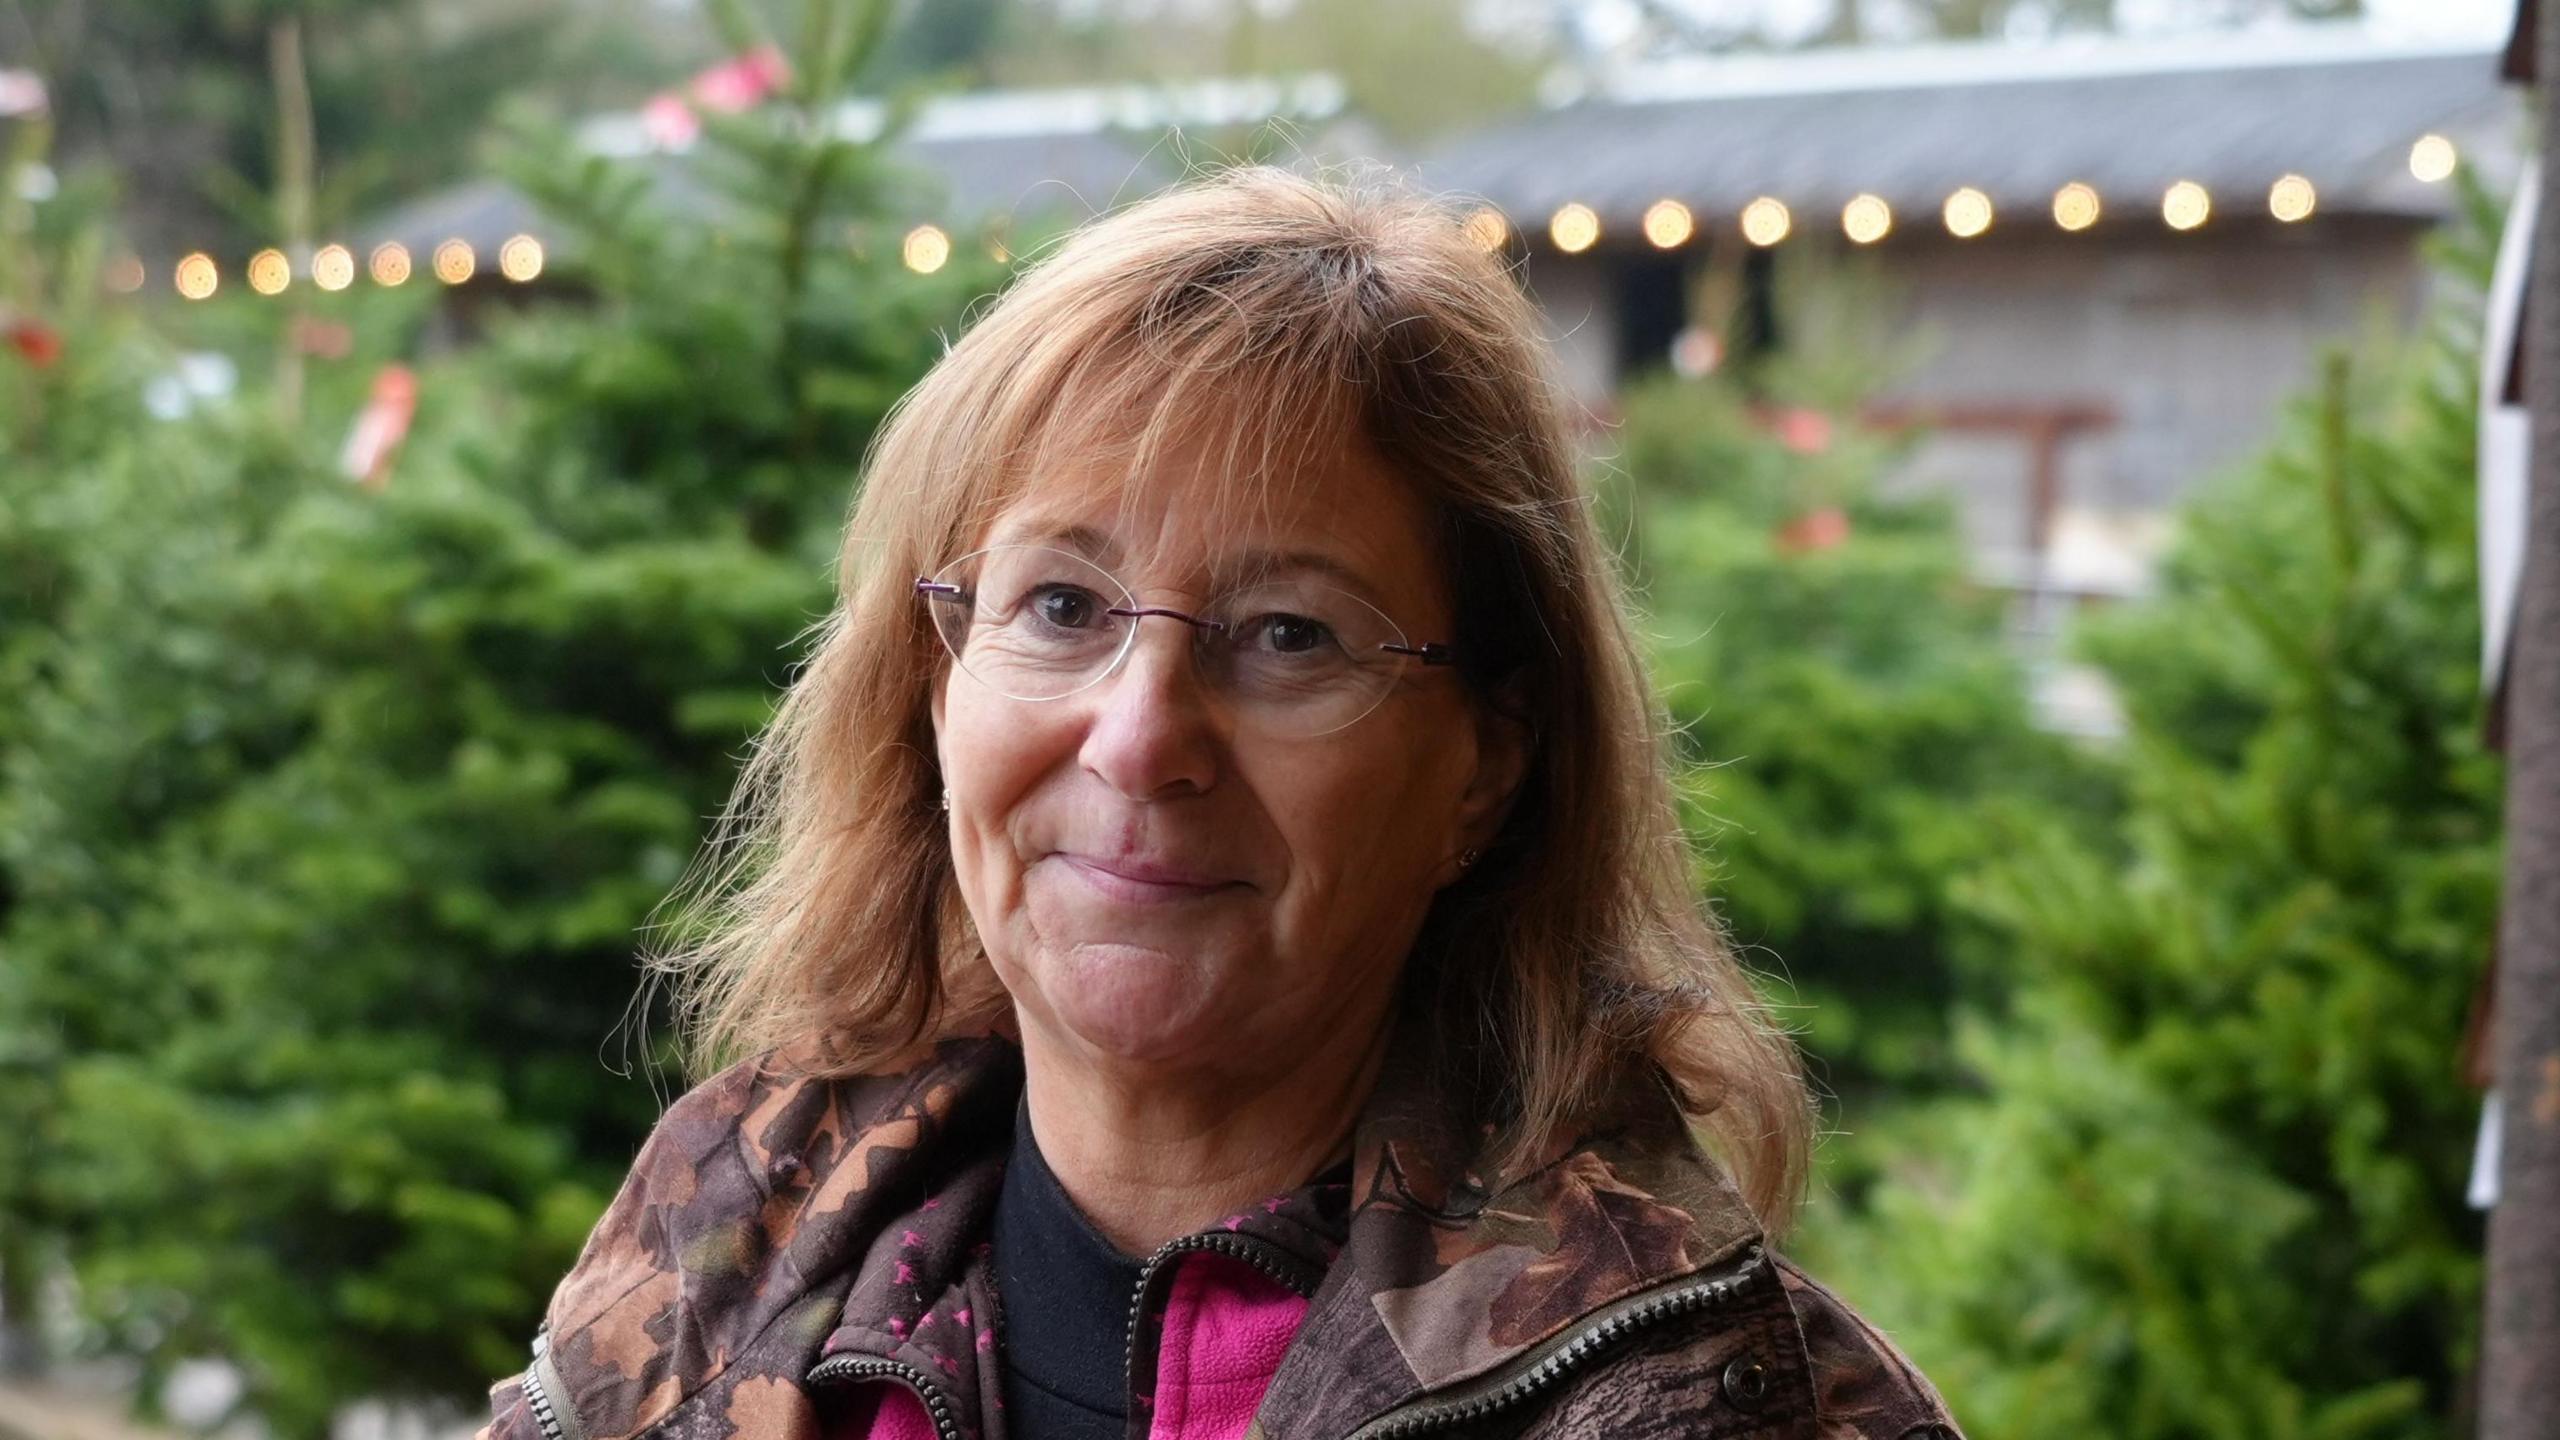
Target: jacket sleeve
{"x": 1864, "y": 1387}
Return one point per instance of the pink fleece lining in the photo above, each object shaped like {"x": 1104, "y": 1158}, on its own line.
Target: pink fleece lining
{"x": 1226, "y": 1326}
{"x": 884, "y": 1410}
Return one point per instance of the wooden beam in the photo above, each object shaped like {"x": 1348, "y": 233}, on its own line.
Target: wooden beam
{"x": 2519, "y": 1383}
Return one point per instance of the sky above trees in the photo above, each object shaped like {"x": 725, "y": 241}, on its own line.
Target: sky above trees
{"x": 1794, "y": 22}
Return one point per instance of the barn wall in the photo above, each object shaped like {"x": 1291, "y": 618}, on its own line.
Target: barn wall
{"x": 2194, "y": 343}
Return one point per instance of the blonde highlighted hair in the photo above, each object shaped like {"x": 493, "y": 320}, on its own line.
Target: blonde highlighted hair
{"x": 1573, "y": 961}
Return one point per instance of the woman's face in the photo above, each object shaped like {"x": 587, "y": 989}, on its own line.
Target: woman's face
{"x": 1156, "y": 885}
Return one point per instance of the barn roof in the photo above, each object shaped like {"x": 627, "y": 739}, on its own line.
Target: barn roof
{"x": 1910, "y": 123}
{"x": 1913, "y": 124}
{"x": 1073, "y": 151}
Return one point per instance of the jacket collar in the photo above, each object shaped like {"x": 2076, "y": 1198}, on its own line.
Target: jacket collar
{"x": 1452, "y": 1273}
{"x": 780, "y": 1230}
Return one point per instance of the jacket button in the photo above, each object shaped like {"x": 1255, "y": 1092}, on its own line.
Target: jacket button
{"x": 1746, "y": 1382}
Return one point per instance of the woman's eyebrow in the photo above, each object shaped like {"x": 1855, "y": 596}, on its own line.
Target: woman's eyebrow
{"x": 1085, "y": 540}
{"x": 1266, "y": 563}
{"x": 1246, "y": 567}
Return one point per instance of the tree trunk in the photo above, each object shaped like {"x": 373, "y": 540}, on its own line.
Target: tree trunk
{"x": 2520, "y": 1381}
{"x": 295, "y": 180}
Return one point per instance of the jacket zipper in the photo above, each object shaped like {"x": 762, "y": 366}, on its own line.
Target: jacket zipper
{"x": 1299, "y": 1276}
{"x": 539, "y": 1402}
{"x": 1558, "y": 1358}
{"x": 843, "y": 1369}
{"x": 537, "y": 1396}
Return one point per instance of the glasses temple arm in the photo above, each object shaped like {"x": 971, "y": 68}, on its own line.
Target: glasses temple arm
{"x": 1430, "y": 652}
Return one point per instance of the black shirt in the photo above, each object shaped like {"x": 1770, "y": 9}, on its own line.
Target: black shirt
{"x": 1066, "y": 1293}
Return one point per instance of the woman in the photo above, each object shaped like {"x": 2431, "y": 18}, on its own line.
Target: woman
{"x": 1225, "y": 823}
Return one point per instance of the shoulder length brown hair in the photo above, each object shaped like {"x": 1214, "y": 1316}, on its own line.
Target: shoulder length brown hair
{"x": 1573, "y": 960}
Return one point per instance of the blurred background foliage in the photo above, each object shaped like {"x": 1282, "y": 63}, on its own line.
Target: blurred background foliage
{"x": 2203, "y": 1171}
{"x": 328, "y": 813}
{"x": 1852, "y": 717}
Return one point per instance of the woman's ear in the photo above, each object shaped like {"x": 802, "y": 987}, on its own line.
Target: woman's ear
{"x": 1504, "y": 744}
{"x": 941, "y": 764}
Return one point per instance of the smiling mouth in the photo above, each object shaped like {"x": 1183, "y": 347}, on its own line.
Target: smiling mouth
{"x": 1144, "y": 888}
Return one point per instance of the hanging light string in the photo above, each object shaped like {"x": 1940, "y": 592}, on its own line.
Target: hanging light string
{"x": 1574, "y": 228}
{"x": 1967, "y": 212}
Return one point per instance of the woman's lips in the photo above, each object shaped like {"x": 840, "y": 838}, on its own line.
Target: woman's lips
{"x": 1136, "y": 883}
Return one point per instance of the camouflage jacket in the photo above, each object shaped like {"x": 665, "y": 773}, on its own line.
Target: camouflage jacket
{"x": 782, "y": 1239}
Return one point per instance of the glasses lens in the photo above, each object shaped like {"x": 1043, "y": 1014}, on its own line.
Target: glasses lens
{"x": 1030, "y": 622}
{"x": 1299, "y": 657}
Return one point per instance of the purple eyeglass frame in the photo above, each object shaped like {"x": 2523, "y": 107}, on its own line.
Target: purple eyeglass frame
{"x": 1429, "y": 652}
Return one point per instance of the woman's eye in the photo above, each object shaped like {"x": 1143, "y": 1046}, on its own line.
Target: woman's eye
{"x": 1066, "y": 607}
{"x": 1292, "y": 634}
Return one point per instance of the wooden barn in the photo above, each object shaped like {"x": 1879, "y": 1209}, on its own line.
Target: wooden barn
{"x": 2105, "y": 265}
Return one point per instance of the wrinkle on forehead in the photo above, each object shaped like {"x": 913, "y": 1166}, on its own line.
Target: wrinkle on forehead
{"x": 1217, "y": 494}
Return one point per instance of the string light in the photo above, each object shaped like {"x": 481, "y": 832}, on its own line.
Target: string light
{"x": 1575, "y": 228}
{"x": 1765, "y": 222}
{"x": 198, "y": 276}
{"x": 925, "y": 249}
{"x": 1867, "y": 219}
{"x": 125, "y": 274}
{"x": 2291, "y": 199}
{"x": 2186, "y": 206}
{"x": 455, "y": 261}
{"x": 1968, "y": 213}
{"x": 2432, "y": 158}
{"x": 270, "y": 272}
{"x": 1669, "y": 224}
{"x": 520, "y": 259}
{"x": 2075, "y": 206}
{"x": 333, "y": 268}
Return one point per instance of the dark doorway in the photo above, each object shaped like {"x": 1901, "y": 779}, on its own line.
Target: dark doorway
{"x": 1653, "y": 305}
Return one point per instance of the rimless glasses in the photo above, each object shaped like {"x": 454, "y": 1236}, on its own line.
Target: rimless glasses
{"x": 1289, "y": 655}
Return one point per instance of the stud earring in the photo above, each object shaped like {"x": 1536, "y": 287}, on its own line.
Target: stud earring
{"x": 1468, "y": 857}
{"x": 946, "y": 797}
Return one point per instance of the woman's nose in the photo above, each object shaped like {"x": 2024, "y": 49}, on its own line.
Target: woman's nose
{"x": 1155, "y": 730}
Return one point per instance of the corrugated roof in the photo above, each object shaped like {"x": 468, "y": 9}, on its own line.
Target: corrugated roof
{"x": 1022, "y": 177}
{"x": 1068, "y": 151}
{"x": 2015, "y": 122}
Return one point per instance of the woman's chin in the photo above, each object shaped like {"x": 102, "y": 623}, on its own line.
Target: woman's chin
{"x": 1135, "y": 1005}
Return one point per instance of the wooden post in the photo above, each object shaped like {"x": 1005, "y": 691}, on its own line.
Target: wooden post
{"x": 297, "y": 175}
{"x": 2520, "y": 1369}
